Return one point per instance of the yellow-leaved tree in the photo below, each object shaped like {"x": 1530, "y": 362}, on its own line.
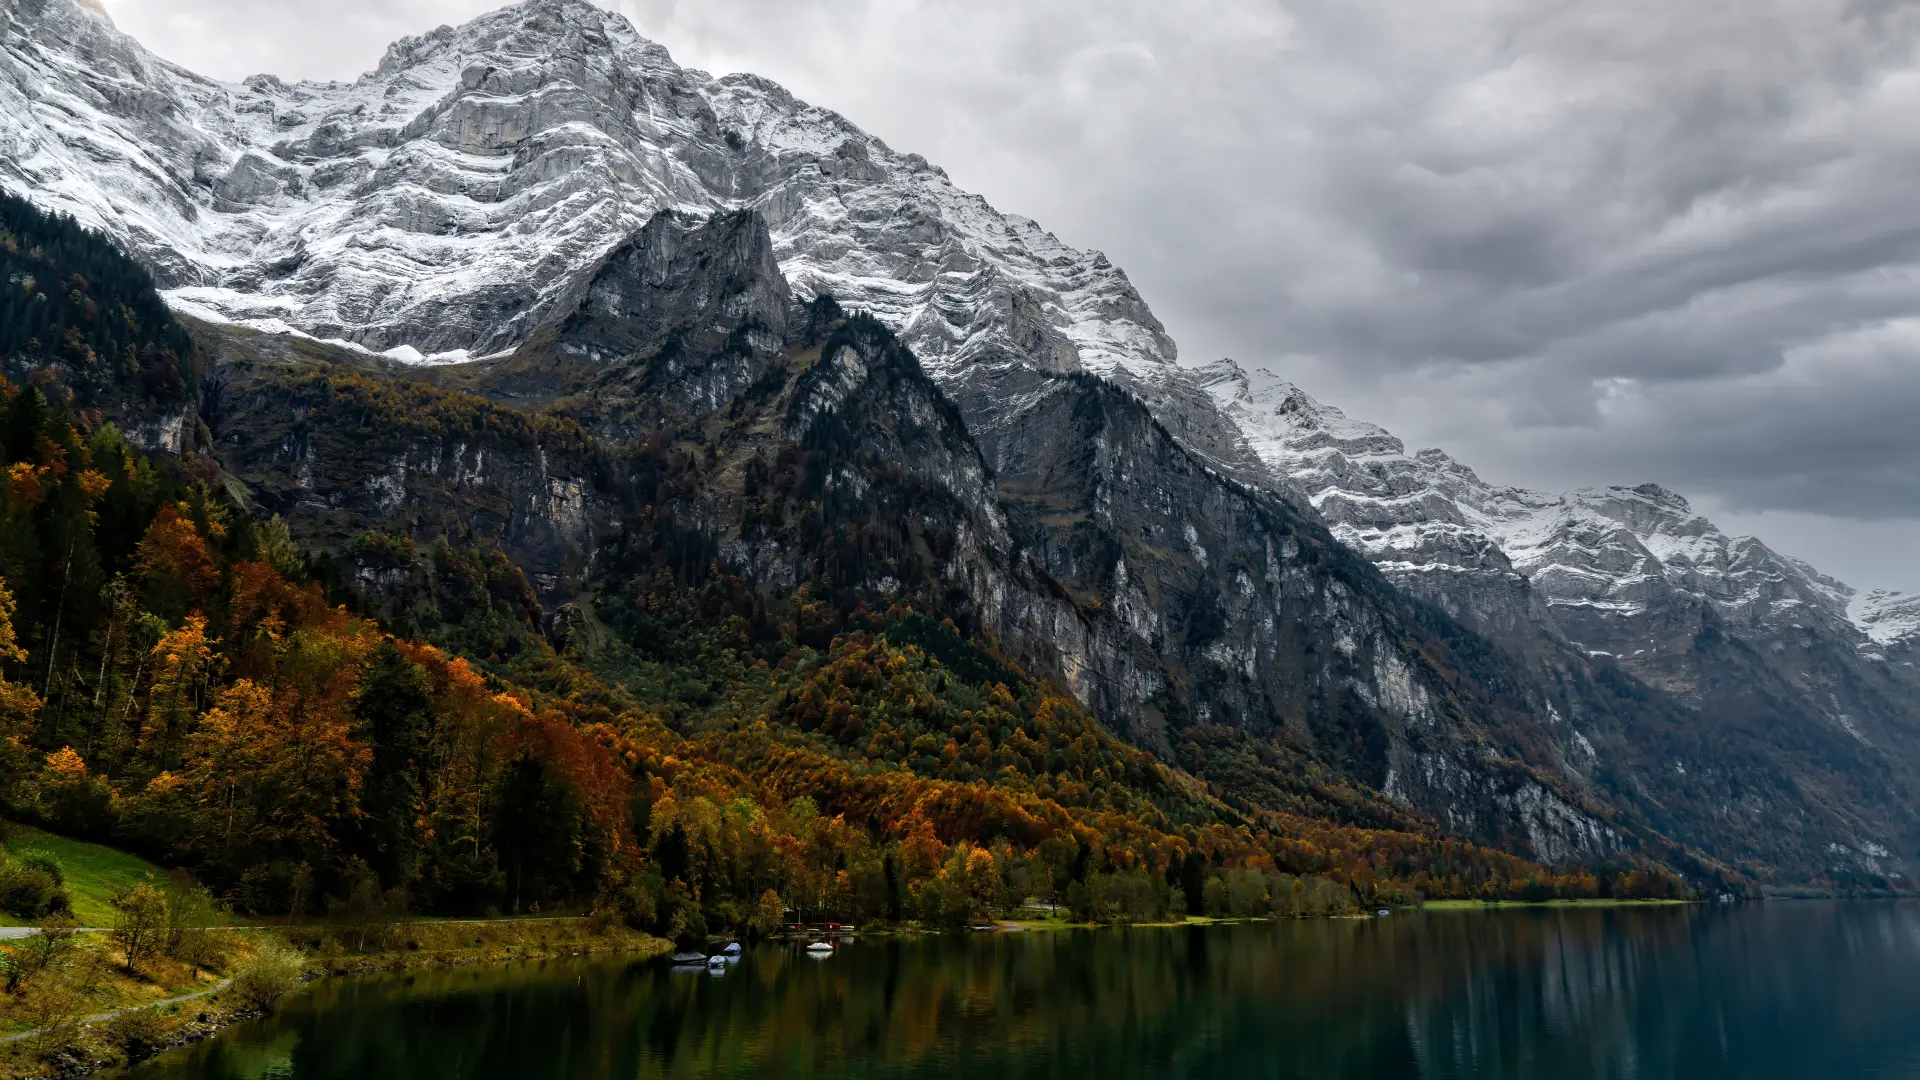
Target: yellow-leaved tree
{"x": 18, "y": 706}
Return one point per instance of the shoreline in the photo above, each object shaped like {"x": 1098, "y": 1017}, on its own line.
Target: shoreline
{"x": 88, "y": 1047}
{"x": 1514, "y": 905}
{"x": 454, "y": 944}
{"x": 1054, "y": 925}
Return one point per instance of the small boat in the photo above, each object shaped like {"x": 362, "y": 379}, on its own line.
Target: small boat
{"x": 732, "y": 949}
{"x": 820, "y": 948}
{"x": 716, "y": 961}
{"x": 1384, "y": 913}
{"x": 689, "y": 958}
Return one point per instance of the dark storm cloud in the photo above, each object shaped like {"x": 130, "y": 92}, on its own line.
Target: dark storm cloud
{"x": 1574, "y": 244}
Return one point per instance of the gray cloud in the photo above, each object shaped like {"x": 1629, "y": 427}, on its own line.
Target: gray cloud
{"x": 1572, "y": 243}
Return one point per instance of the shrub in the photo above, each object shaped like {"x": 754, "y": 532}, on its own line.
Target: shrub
{"x": 602, "y": 920}
{"x": 29, "y": 889}
{"x": 53, "y": 1012}
{"x": 38, "y": 953}
{"x": 139, "y": 1033}
{"x": 269, "y": 975}
{"x": 35, "y": 859}
{"x": 640, "y": 901}
{"x": 769, "y": 914}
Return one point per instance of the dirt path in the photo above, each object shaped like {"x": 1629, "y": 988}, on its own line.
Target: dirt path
{"x": 14, "y": 933}
{"x": 214, "y": 989}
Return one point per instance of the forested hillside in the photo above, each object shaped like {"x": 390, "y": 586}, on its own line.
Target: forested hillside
{"x": 200, "y": 697}
{"x": 182, "y": 679}
{"x": 71, "y": 299}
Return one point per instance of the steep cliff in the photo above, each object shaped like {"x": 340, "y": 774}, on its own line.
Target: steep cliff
{"x": 1803, "y": 695}
{"x": 695, "y": 418}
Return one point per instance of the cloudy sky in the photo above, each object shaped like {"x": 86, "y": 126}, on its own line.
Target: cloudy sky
{"x": 1571, "y": 243}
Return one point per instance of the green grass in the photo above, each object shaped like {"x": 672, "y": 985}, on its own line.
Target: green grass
{"x": 1491, "y": 905}
{"x": 1044, "y": 923}
{"x": 95, "y": 873}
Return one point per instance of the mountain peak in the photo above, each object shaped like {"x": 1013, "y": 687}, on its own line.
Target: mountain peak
{"x": 1664, "y": 497}
{"x": 531, "y": 29}
{"x": 1283, "y": 421}
{"x": 440, "y": 205}
{"x": 1224, "y": 370}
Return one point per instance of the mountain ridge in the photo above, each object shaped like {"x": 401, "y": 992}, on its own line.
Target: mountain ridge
{"x": 706, "y": 384}
{"x": 1430, "y": 498}
{"x": 1628, "y": 575}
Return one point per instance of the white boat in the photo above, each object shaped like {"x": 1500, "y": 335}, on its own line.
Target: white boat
{"x": 716, "y": 961}
{"x": 820, "y": 948}
{"x": 732, "y": 949}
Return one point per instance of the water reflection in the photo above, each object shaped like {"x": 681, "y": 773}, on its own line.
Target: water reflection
{"x": 1781, "y": 990}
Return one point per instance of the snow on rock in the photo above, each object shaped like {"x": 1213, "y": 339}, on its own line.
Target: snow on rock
{"x": 1615, "y": 553}
{"x": 1887, "y": 618}
{"x": 438, "y": 205}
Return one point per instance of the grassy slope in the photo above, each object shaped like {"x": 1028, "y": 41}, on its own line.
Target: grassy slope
{"x": 96, "y": 873}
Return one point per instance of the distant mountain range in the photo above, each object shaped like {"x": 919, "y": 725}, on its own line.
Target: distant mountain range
{"x": 1226, "y": 571}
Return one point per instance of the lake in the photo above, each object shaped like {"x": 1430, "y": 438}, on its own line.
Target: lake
{"x": 1799, "y": 989}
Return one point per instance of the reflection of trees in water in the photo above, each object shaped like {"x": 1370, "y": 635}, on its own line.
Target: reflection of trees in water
{"x": 1800, "y": 990}
{"x": 1311, "y": 999}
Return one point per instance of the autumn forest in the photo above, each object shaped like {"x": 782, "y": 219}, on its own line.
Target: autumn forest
{"x": 184, "y": 680}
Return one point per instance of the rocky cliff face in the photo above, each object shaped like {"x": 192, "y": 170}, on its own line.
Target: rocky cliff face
{"x": 1817, "y": 678}
{"x": 1214, "y": 616}
{"x": 692, "y": 408}
{"x": 1890, "y": 620}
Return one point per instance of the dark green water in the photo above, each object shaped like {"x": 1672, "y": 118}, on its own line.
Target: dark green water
{"x": 1803, "y": 990}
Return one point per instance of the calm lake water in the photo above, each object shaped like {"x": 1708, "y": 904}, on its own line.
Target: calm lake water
{"x": 1797, "y": 990}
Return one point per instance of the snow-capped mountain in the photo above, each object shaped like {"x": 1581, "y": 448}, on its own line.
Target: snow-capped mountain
{"x": 437, "y": 206}
{"x": 1592, "y": 555}
{"x": 1759, "y": 642}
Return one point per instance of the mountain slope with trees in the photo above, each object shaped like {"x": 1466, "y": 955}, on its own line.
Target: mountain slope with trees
{"x": 693, "y": 745}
